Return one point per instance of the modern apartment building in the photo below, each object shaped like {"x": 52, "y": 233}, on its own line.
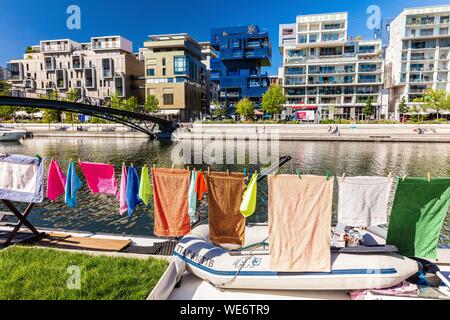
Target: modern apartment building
{"x": 176, "y": 75}
{"x": 243, "y": 52}
{"x": 326, "y": 73}
{"x": 97, "y": 69}
{"x": 418, "y": 54}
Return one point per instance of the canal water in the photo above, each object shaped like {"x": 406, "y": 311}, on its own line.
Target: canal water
{"x": 99, "y": 213}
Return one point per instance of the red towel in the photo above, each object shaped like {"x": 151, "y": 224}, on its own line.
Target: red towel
{"x": 56, "y": 181}
{"x": 200, "y": 186}
{"x": 100, "y": 177}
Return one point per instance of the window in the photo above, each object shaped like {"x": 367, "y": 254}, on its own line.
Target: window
{"x": 163, "y": 61}
{"x": 168, "y": 98}
{"x": 164, "y": 71}
{"x": 180, "y": 65}
{"x": 150, "y": 72}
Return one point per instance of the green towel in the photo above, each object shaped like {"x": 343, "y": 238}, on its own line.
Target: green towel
{"x": 418, "y": 214}
{"x": 145, "y": 188}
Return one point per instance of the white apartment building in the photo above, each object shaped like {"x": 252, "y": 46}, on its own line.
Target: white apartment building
{"x": 212, "y": 87}
{"x": 325, "y": 73}
{"x": 97, "y": 69}
{"x": 417, "y": 57}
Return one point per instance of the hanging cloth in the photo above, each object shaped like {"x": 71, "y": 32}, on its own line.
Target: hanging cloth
{"x": 73, "y": 184}
{"x": 101, "y": 178}
{"x": 145, "y": 188}
{"x": 122, "y": 194}
{"x": 300, "y": 223}
{"x": 132, "y": 190}
{"x": 170, "y": 192}
{"x": 200, "y": 186}
{"x": 226, "y": 223}
{"x": 418, "y": 214}
{"x": 56, "y": 181}
{"x": 248, "y": 205}
{"x": 192, "y": 196}
{"x": 363, "y": 201}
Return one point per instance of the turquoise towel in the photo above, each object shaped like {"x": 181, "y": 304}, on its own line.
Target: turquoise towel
{"x": 193, "y": 196}
{"x": 132, "y": 190}
{"x": 73, "y": 184}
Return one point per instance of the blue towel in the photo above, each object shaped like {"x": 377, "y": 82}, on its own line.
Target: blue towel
{"x": 73, "y": 184}
{"x": 132, "y": 190}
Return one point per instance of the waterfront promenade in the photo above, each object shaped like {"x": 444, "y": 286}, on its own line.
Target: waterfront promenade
{"x": 285, "y": 132}
{"x": 305, "y": 132}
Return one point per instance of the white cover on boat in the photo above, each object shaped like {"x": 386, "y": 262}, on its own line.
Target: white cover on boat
{"x": 245, "y": 270}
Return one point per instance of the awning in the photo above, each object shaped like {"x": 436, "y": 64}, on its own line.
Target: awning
{"x": 305, "y": 107}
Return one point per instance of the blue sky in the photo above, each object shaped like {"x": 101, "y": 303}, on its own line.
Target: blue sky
{"x": 26, "y": 22}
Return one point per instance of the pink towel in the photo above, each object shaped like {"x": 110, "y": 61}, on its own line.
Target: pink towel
{"x": 56, "y": 181}
{"x": 122, "y": 195}
{"x": 100, "y": 177}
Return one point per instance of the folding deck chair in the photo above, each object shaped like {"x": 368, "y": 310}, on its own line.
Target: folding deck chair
{"x": 21, "y": 180}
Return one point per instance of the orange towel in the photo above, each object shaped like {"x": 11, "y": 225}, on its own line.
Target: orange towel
{"x": 226, "y": 223}
{"x": 171, "y": 188}
{"x": 300, "y": 223}
{"x": 200, "y": 186}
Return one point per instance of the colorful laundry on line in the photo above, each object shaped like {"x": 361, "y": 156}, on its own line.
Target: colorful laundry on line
{"x": 226, "y": 223}
{"x": 248, "y": 205}
{"x": 56, "y": 181}
{"x": 170, "y": 192}
{"x": 200, "y": 186}
{"x": 418, "y": 214}
{"x": 122, "y": 195}
{"x": 132, "y": 190}
{"x": 192, "y": 196}
{"x": 145, "y": 188}
{"x": 100, "y": 177}
{"x": 300, "y": 223}
{"x": 363, "y": 201}
{"x": 73, "y": 184}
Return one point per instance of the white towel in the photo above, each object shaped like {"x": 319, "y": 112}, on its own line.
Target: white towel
{"x": 363, "y": 201}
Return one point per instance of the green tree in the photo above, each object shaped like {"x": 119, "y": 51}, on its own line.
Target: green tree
{"x": 7, "y": 112}
{"x": 151, "y": 104}
{"x": 51, "y": 115}
{"x": 4, "y": 88}
{"x": 246, "y": 108}
{"x": 403, "y": 108}
{"x": 273, "y": 100}
{"x": 131, "y": 104}
{"x": 219, "y": 110}
{"x": 29, "y": 49}
{"x": 369, "y": 108}
{"x": 117, "y": 102}
{"x": 72, "y": 96}
{"x": 433, "y": 99}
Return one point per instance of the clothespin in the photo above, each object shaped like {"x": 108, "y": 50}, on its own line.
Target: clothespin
{"x": 228, "y": 172}
{"x": 429, "y": 176}
{"x": 328, "y": 175}
{"x": 132, "y": 165}
{"x": 173, "y": 167}
{"x": 208, "y": 170}
{"x": 390, "y": 176}
{"x": 38, "y": 157}
{"x": 299, "y": 173}
{"x": 404, "y": 177}
{"x": 343, "y": 177}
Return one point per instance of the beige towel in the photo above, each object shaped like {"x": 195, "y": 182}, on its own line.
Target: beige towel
{"x": 226, "y": 223}
{"x": 300, "y": 223}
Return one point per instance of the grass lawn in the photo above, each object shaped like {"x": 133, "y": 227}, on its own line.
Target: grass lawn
{"x": 42, "y": 274}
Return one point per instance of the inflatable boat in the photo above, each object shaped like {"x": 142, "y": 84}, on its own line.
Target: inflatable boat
{"x": 362, "y": 267}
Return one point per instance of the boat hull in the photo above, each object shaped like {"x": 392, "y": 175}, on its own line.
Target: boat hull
{"x": 12, "y": 135}
{"x": 251, "y": 270}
